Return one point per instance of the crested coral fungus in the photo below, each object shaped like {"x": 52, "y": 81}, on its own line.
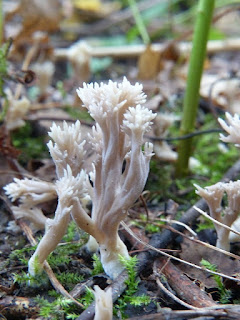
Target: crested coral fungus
{"x": 119, "y": 170}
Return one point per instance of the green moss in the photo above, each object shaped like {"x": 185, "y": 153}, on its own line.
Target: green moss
{"x": 214, "y": 163}
{"x": 63, "y": 253}
{"x": 25, "y": 279}
{"x": 23, "y": 254}
{"x": 97, "y": 265}
{"x": 57, "y": 309}
{"x": 69, "y": 279}
{"x": 88, "y": 298}
{"x": 129, "y": 296}
{"x": 32, "y": 147}
{"x": 207, "y": 224}
{"x": 79, "y": 113}
{"x": 72, "y": 231}
{"x": 224, "y": 294}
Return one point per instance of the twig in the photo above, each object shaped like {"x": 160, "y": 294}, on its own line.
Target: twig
{"x": 171, "y": 295}
{"x": 179, "y": 223}
{"x": 215, "y": 221}
{"x": 205, "y": 244}
{"x": 61, "y": 119}
{"x": 225, "y": 312}
{"x": 193, "y": 296}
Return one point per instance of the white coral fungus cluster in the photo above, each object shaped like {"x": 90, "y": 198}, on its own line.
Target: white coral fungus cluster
{"x": 227, "y": 215}
{"x": 233, "y": 129}
{"x": 119, "y": 173}
{"x": 17, "y": 109}
{"x": 214, "y": 194}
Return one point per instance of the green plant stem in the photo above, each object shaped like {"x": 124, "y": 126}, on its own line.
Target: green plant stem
{"x": 1, "y": 23}
{"x": 139, "y": 22}
{"x": 191, "y": 98}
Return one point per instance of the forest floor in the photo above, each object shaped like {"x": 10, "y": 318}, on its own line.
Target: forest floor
{"x": 179, "y": 273}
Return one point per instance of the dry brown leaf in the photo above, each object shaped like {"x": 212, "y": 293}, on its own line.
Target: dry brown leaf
{"x": 6, "y": 147}
{"x": 170, "y": 52}
{"x": 149, "y": 64}
{"x": 195, "y": 252}
{"x": 36, "y": 15}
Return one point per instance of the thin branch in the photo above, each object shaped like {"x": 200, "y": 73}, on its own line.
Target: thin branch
{"x": 215, "y": 221}
{"x": 179, "y": 223}
{"x": 169, "y": 293}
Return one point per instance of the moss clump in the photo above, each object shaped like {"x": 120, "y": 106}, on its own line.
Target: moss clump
{"x": 79, "y": 113}
{"x": 33, "y": 146}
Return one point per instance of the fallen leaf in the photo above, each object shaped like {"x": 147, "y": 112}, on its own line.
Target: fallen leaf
{"x": 148, "y": 64}
{"x": 194, "y": 253}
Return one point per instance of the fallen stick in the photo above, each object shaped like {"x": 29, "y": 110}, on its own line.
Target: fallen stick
{"x": 220, "y": 312}
{"x": 184, "y": 288}
{"x": 133, "y": 51}
{"x": 13, "y": 307}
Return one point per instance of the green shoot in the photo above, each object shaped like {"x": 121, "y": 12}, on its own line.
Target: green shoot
{"x": 25, "y": 279}
{"x": 71, "y": 232}
{"x": 191, "y": 99}
{"x": 23, "y": 254}
{"x": 139, "y": 301}
{"x": 97, "y": 265}
{"x": 225, "y": 294}
{"x": 131, "y": 282}
{"x": 88, "y": 298}
{"x": 57, "y": 309}
{"x": 61, "y": 89}
{"x": 139, "y": 22}
{"x": 132, "y": 286}
{"x": 1, "y": 22}
{"x": 3, "y": 69}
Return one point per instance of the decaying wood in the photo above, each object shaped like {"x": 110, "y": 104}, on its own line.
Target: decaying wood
{"x": 223, "y": 312}
{"x": 7, "y": 290}
{"x": 18, "y": 307}
{"x": 185, "y": 289}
